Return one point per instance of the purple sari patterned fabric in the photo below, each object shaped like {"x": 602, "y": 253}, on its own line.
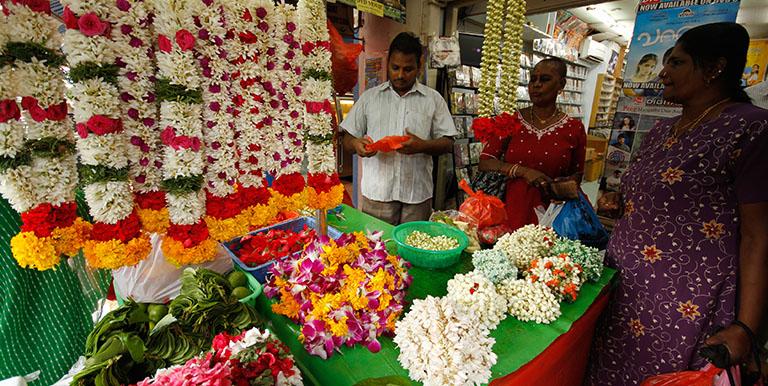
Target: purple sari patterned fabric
{"x": 676, "y": 248}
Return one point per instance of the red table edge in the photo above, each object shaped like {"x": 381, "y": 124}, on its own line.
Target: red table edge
{"x": 564, "y": 362}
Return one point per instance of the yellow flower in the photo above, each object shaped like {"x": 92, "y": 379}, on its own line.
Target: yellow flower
{"x": 297, "y": 201}
{"x": 257, "y": 216}
{"x": 33, "y": 252}
{"x": 287, "y": 305}
{"x": 70, "y": 240}
{"x": 226, "y": 229}
{"x": 153, "y": 221}
{"x": 688, "y": 310}
{"x": 713, "y": 230}
{"x": 338, "y": 328}
{"x": 113, "y": 254}
{"x": 326, "y": 200}
{"x": 177, "y": 254}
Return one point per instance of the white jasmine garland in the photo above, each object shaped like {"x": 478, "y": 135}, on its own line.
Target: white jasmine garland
{"x": 47, "y": 128}
{"x": 103, "y": 8}
{"x": 475, "y": 295}
{"x": 558, "y": 273}
{"x": 15, "y": 187}
{"x": 494, "y": 265}
{"x": 55, "y": 180}
{"x": 529, "y": 301}
{"x": 320, "y": 156}
{"x": 184, "y": 118}
{"x": 526, "y": 244}
{"x": 109, "y": 202}
{"x": 440, "y": 345}
{"x": 11, "y": 138}
{"x": 590, "y": 259}
{"x": 28, "y": 25}
{"x": 187, "y": 208}
{"x": 34, "y": 78}
{"x": 489, "y": 63}
{"x": 81, "y": 48}
{"x": 108, "y": 150}
{"x": 181, "y": 163}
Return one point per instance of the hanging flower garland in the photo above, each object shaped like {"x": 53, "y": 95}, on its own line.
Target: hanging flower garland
{"x": 513, "y": 44}
{"x": 38, "y": 171}
{"x": 344, "y": 291}
{"x": 530, "y": 301}
{"x": 136, "y": 63}
{"x": 526, "y": 244}
{"x": 247, "y": 39}
{"x": 489, "y": 63}
{"x": 440, "y": 345}
{"x": 116, "y": 238}
{"x": 181, "y": 109}
{"x": 222, "y": 200}
{"x": 285, "y": 158}
{"x": 325, "y": 190}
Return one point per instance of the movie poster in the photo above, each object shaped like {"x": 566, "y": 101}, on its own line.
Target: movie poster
{"x": 757, "y": 61}
{"x": 658, "y": 25}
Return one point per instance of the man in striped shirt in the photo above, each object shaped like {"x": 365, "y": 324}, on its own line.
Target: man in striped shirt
{"x": 397, "y": 186}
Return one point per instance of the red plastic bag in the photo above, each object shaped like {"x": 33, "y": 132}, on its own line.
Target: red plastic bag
{"x": 487, "y": 209}
{"x": 489, "y": 235}
{"x": 343, "y": 61}
{"x": 703, "y": 377}
{"x": 389, "y": 143}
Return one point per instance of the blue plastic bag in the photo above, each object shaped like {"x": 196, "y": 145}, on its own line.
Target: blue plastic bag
{"x": 577, "y": 220}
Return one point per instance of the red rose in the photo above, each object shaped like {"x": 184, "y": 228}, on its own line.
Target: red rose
{"x": 44, "y": 218}
{"x": 124, "y": 230}
{"x": 181, "y": 141}
{"x": 151, "y": 200}
{"x": 9, "y": 110}
{"x": 41, "y": 6}
{"x": 164, "y": 43}
{"x": 254, "y": 196}
{"x": 167, "y": 135}
{"x": 70, "y": 20}
{"x": 57, "y": 112}
{"x": 322, "y": 182}
{"x": 289, "y": 184}
{"x": 185, "y": 39}
{"x": 189, "y": 235}
{"x": 37, "y": 113}
{"x": 101, "y": 125}
{"x": 91, "y": 25}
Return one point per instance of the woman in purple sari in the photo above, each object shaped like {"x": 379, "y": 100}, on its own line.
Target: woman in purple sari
{"x": 692, "y": 245}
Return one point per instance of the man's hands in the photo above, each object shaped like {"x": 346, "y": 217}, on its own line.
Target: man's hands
{"x": 414, "y": 145}
{"x": 359, "y": 146}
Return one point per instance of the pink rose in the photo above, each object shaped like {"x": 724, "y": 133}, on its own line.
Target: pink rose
{"x": 185, "y": 39}
{"x": 91, "y": 25}
{"x": 9, "y": 110}
{"x": 164, "y": 43}
{"x": 182, "y": 141}
{"x": 70, "y": 20}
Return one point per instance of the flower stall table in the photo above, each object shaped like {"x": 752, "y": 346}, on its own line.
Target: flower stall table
{"x": 554, "y": 353}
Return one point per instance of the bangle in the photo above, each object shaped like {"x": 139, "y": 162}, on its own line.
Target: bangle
{"x": 513, "y": 171}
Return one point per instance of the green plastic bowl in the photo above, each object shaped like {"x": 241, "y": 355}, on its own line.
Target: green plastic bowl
{"x": 425, "y": 258}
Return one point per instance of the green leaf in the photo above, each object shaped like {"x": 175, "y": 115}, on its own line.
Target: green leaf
{"x": 90, "y": 174}
{"x": 50, "y": 147}
{"x": 392, "y": 380}
{"x": 182, "y": 185}
{"x": 25, "y": 51}
{"x": 318, "y": 139}
{"x": 90, "y": 70}
{"x": 313, "y": 73}
{"x": 22, "y": 158}
{"x": 167, "y": 91}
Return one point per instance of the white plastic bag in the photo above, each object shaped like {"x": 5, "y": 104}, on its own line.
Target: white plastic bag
{"x": 66, "y": 380}
{"x": 548, "y": 216}
{"x": 155, "y": 280}
{"x": 444, "y": 52}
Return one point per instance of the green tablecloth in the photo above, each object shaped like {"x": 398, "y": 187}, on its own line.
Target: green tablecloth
{"x": 517, "y": 342}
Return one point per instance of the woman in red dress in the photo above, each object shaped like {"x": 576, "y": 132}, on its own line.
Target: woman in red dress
{"x": 545, "y": 159}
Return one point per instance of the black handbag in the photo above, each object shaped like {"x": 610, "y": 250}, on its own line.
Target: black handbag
{"x": 492, "y": 183}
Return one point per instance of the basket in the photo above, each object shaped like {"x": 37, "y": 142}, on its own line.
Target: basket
{"x": 422, "y": 257}
{"x": 260, "y": 272}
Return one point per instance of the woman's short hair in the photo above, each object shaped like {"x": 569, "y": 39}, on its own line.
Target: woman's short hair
{"x": 709, "y": 42}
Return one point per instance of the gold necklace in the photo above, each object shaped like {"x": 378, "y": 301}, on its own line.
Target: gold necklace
{"x": 543, "y": 121}
{"x": 678, "y": 131}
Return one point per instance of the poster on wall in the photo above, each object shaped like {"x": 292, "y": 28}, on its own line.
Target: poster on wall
{"x": 375, "y": 73}
{"x": 392, "y": 9}
{"x": 658, "y": 25}
{"x": 757, "y": 63}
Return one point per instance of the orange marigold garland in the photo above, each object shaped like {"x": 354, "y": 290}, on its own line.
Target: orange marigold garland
{"x": 324, "y": 191}
{"x": 153, "y": 213}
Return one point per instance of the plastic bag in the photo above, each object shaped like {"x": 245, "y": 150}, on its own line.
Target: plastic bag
{"x": 489, "y": 235}
{"x": 704, "y": 377}
{"x": 444, "y": 51}
{"x": 578, "y": 221}
{"x": 389, "y": 143}
{"x": 155, "y": 280}
{"x": 488, "y": 210}
{"x": 547, "y": 216}
{"x": 343, "y": 61}
{"x": 463, "y": 222}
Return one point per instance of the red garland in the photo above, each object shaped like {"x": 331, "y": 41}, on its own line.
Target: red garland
{"x": 151, "y": 200}
{"x": 500, "y": 126}
{"x": 319, "y": 107}
{"x": 289, "y": 184}
{"x": 189, "y": 235}
{"x": 39, "y": 6}
{"x": 99, "y": 125}
{"x": 322, "y": 182}
{"x": 254, "y": 196}
{"x": 9, "y": 110}
{"x": 223, "y": 207}
{"x": 124, "y": 230}
{"x": 44, "y": 218}
{"x": 55, "y": 112}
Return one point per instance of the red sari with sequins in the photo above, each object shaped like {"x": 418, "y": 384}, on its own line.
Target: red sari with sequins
{"x": 557, "y": 151}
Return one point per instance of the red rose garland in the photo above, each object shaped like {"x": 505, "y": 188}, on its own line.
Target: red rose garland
{"x": 103, "y": 145}
{"x": 38, "y": 176}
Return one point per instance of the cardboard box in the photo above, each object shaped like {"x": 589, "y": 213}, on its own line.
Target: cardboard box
{"x": 593, "y": 169}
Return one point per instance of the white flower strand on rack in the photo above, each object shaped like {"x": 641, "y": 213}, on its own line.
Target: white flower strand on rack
{"x": 529, "y": 301}
{"x": 473, "y": 294}
{"x": 137, "y": 69}
{"x": 526, "y": 244}
{"x": 289, "y": 90}
{"x": 317, "y": 87}
{"x": 440, "y": 345}
{"x": 513, "y": 43}
{"x": 221, "y": 171}
{"x": 489, "y": 64}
